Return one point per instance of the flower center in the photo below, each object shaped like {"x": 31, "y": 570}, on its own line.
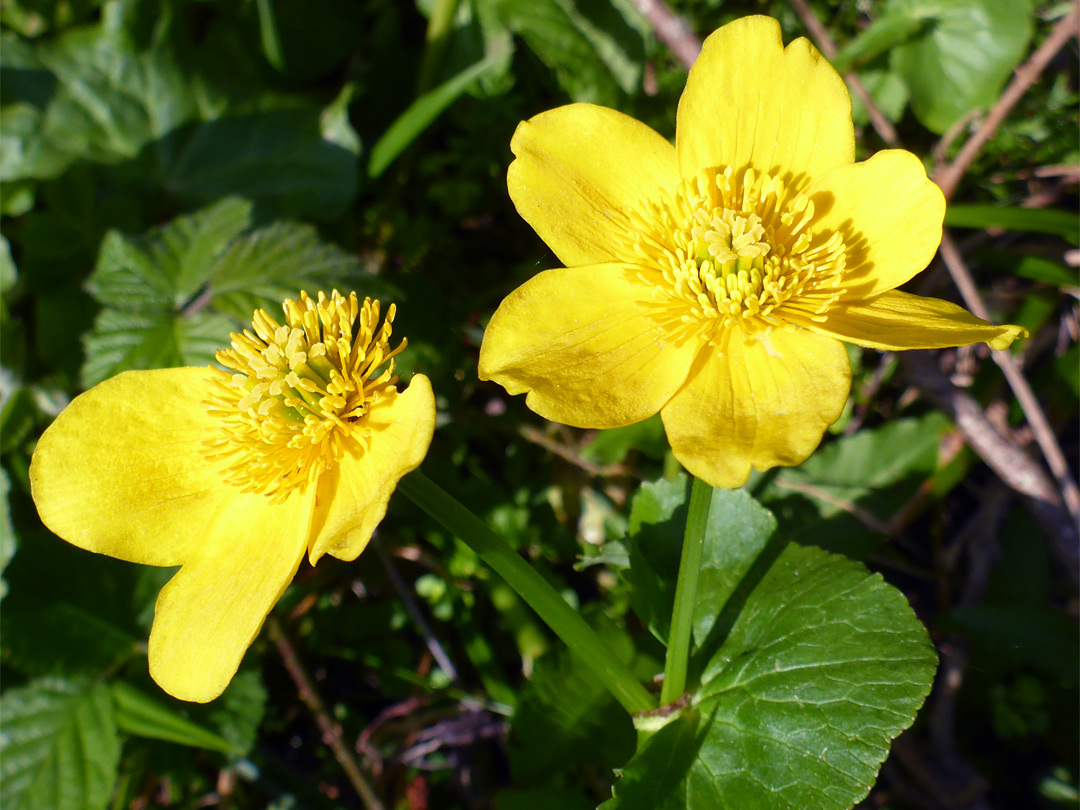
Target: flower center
{"x": 301, "y": 391}
{"x": 734, "y": 249}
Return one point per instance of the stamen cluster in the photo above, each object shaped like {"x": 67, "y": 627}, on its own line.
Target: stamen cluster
{"x": 301, "y": 391}
{"x": 734, "y": 249}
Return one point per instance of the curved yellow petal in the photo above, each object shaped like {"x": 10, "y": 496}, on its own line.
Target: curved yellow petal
{"x": 208, "y": 614}
{"x": 889, "y": 213}
{"x": 762, "y": 403}
{"x": 751, "y": 102}
{"x": 897, "y": 320}
{"x": 353, "y": 496}
{"x": 580, "y": 342}
{"x": 121, "y": 471}
{"x": 577, "y": 167}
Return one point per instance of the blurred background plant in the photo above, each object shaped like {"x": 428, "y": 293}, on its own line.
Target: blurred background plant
{"x": 166, "y": 166}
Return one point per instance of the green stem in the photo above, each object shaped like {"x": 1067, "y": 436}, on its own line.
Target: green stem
{"x": 682, "y": 615}
{"x": 532, "y": 587}
{"x": 438, "y": 34}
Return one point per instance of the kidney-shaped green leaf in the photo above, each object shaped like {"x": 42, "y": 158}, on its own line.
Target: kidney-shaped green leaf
{"x": 825, "y": 665}
{"x": 959, "y": 60}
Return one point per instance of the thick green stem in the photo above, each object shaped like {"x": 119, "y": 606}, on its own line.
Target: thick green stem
{"x": 682, "y": 615}
{"x": 532, "y": 587}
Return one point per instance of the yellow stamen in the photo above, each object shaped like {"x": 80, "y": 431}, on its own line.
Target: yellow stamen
{"x": 734, "y": 249}
{"x": 301, "y": 391}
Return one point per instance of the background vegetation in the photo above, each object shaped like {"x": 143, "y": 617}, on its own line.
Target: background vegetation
{"x": 169, "y": 165}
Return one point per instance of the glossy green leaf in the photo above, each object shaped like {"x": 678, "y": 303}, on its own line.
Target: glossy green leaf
{"x": 301, "y": 160}
{"x": 112, "y": 98}
{"x": 657, "y": 517}
{"x": 1034, "y": 220}
{"x": 965, "y": 52}
{"x": 613, "y": 446}
{"x": 59, "y": 748}
{"x": 738, "y": 529}
{"x": 825, "y": 665}
{"x": 888, "y": 92}
{"x": 887, "y": 31}
{"x": 854, "y": 466}
{"x": 736, "y": 534}
{"x": 168, "y": 266}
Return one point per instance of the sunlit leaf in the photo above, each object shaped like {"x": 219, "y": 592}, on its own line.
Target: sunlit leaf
{"x": 963, "y": 54}
{"x": 825, "y": 665}
{"x": 59, "y": 748}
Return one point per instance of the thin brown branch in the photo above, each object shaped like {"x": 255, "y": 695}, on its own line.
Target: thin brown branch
{"x": 331, "y": 733}
{"x": 1033, "y": 412}
{"x": 882, "y": 125}
{"x": 1026, "y": 75}
{"x": 538, "y": 437}
{"x": 1012, "y": 465}
{"x": 670, "y": 29}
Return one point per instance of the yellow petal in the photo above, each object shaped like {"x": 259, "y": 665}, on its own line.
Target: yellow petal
{"x": 750, "y": 102}
{"x": 121, "y": 471}
{"x": 890, "y": 215}
{"x": 898, "y": 320}
{"x": 761, "y": 403}
{"x": 353, "y": 496}
{"x": 579, "y": 341}
{"x": 209, "y": 613}
{"x": 576, "y": 168}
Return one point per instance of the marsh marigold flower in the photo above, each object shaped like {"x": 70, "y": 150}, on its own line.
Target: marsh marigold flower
{"x": 714, "y": 280}
{"x": 233, "y": 476}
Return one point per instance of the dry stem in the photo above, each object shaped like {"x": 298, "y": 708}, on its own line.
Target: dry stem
{"x": 331, "y": 733}
{"x": 1026, "y": 75}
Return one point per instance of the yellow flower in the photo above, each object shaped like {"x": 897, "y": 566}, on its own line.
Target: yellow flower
{"x": 234, "y": 476}
{"x": 713, "y": 280}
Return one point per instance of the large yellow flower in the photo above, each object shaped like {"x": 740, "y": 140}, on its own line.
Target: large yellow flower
{"x": 713, "y": 281}
{"x": 234, "y": 476}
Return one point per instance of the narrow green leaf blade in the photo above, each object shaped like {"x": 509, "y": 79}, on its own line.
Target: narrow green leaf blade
{"x": 1034, "y": 220}
{"x": 421, "y": 113}
{"x": 139, "y": 714}
{"x": 59, "y": 747}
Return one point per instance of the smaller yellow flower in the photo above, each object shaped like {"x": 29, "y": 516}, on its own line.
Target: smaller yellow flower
{"x": 234, "y": 476}
{"x": 713, "y": 280}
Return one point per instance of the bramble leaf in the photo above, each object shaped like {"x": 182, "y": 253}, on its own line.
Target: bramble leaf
{"x": 59, "y": 748}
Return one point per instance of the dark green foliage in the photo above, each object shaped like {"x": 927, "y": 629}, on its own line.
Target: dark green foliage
{"x": 168, "y": 166}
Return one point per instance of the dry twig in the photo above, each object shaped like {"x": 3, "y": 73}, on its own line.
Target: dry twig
{"x": 1010, "y": 463}
{"x": 1033, "y": 412}
{"x": 670, "y": 29}
{"x": 882, "y": 125}
{"x": 1026, "y": 75}
{"x": 331, "y": 733}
